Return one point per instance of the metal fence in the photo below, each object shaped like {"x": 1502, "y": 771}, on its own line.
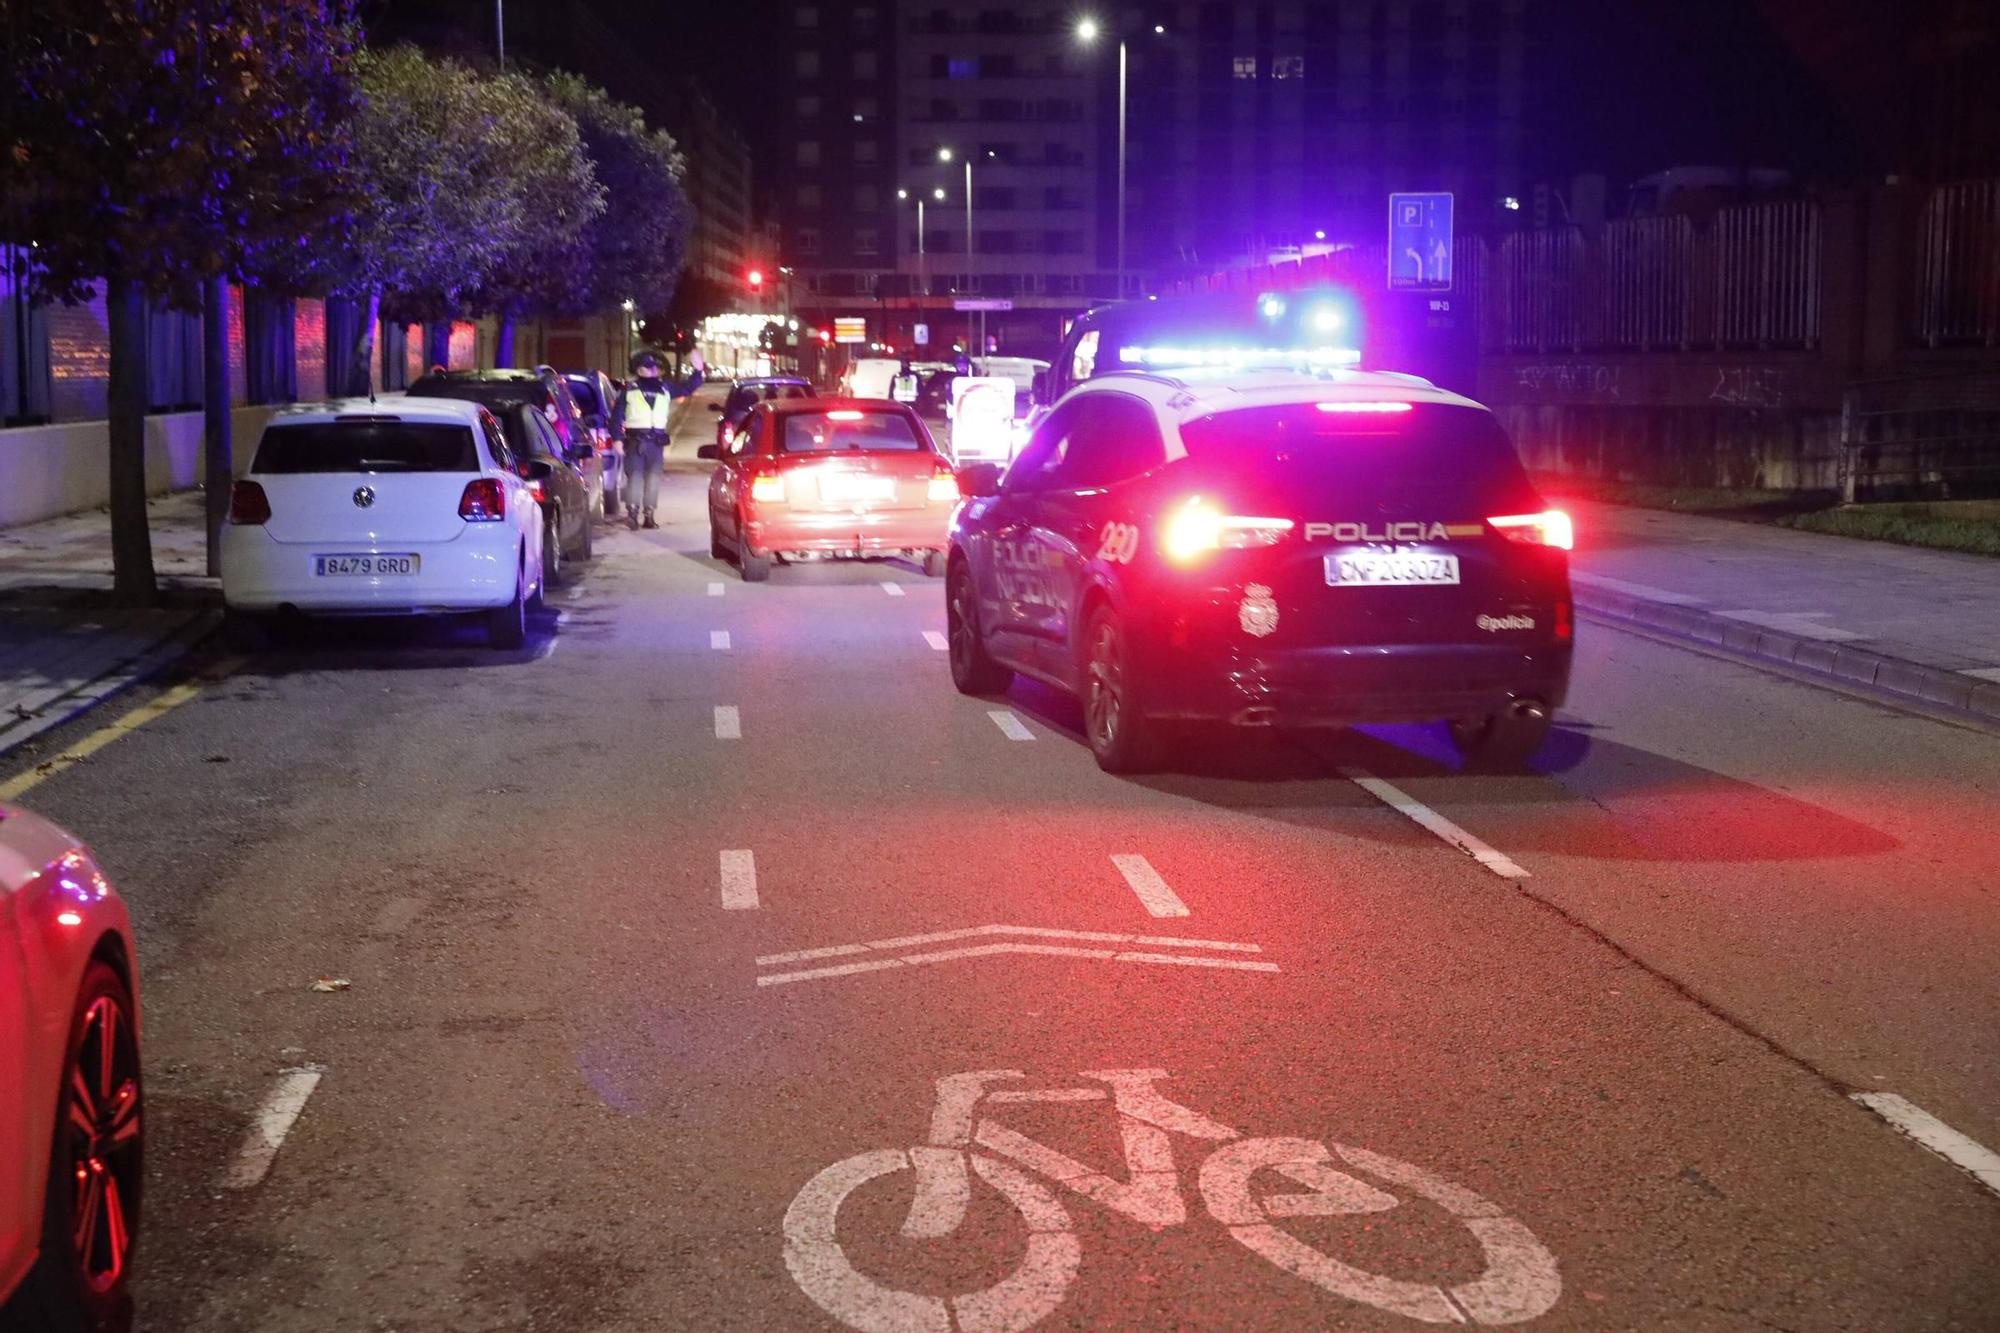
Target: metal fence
{"x": 1958, "y": 267}
{"x": 1929, "y": 436}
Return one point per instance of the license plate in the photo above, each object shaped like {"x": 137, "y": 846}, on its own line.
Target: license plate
{"x": 848, "y": 487}
{"x": 1365, "y": 569}
{"x": 363, "y": 566}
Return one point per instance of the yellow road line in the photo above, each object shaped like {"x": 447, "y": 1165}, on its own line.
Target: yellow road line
{"x": 132, "y": 721}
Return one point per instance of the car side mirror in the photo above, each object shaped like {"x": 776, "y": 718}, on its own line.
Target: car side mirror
{"x": 1038, "y": 388}
{"x": 533, "y": 470}
{"x": 715, "y": 407}
{"x": 709, "y": 451}
{"x": 980, "y": 479}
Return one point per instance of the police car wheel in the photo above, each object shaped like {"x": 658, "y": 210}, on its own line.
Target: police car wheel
{"x": 972, "y": 671}
{"x": 1122, "y": 738}
{"x": 1500, "y": 742}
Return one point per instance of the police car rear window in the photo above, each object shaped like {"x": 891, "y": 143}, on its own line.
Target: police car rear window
{"x": 1410, "y": 448}
{"x": 366, "y": 446}
{"x": 840, "y": 431}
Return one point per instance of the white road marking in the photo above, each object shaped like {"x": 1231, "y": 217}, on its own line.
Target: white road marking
{"x": 1013, "y": 947}
{"x": 728, "y": 723}
{"x": 1802, "y": 623}
{"x": 1146, "y": 882}
{"x": 1645, "y": 590}
{"x": 1967, "y": 1154}
{"x": 273, "y": 1122}
{"x": 1991, "y": 673}
{"x": 893, "y": 589}
{"x": 715, "y": 590}
{"x": 1010, "y": 726}
{"x": 718, "y": 639}
{"x": 1423, "y": 815}
{"x": 973, "y": 932}
{"x": 1075, "y": 946}
{"x": 936, "y": 640}
{"x": 739, "y": 880}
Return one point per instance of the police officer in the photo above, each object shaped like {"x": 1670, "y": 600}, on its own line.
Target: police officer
{"x": 640, "y": 421}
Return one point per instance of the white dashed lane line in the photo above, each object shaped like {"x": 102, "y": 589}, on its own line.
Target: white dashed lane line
{"x": 739, "y": 880}
{"x": 718, "y": 639}
{"x": 715, "y": 590}
{"x": 1152, "y": 891}
{"x": 893, "y": 589}
{"x": 1968, "y": 1154}
{"x": 1419, "y": 813}
{"x": 274, "y": 1121}
{"x": 1010, "y": 726}
{"x": 728, "y": 723}
{"x": 936, "y": 640}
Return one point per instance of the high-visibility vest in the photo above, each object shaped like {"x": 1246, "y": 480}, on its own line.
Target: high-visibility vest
{"x": 642, "y": 415}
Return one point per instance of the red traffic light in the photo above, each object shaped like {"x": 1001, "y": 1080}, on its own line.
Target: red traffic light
{"x": 826, "y": 335}
{"x": 756, "y": 278}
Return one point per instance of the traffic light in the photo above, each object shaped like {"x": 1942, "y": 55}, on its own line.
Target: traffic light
{"x": 756, "y": 276}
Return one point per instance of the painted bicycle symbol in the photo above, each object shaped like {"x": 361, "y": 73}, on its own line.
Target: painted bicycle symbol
{"x": 1520, "y": 1280}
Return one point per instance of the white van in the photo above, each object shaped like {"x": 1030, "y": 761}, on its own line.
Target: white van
{"x": 870, "y": 377}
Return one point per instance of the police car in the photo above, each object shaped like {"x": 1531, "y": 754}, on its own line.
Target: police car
{"x": 1266, "y": 548}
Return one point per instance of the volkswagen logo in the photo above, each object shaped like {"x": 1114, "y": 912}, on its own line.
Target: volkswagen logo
{"x": 364, "y": 496}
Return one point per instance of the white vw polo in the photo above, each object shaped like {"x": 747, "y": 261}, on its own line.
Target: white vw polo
{"x": 411, "y": 506}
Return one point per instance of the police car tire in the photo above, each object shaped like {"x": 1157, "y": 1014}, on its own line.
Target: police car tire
{"x": 754, "y": 568}
{"x": 972, "y": 670}
{"x": 1137, "y": 743}
{"x": 1499, "y": 743}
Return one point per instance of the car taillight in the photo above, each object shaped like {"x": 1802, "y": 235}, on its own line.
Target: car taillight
{"x": 540, "y": 489}
{"x": 483, "y": 502}
{"x": 766, "y": 487}
{"x": 1198, "y": 527}
{"x": 248, "y": 505}
{"x": 1565, "y": 621}
{"x": 944, "y": 488}
{"x": 1549, "y": 528}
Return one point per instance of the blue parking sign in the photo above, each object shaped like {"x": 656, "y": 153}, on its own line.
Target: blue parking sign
{"x": 1420, "y": 242}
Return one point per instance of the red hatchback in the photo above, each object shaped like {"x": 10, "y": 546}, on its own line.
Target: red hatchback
{"x": 829, "y": 477}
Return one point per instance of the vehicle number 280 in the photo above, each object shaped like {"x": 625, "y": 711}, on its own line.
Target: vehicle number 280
{"x": 1119, "y": 543}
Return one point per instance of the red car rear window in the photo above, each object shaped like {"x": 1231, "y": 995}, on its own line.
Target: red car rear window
{"x": 844, "y": 431}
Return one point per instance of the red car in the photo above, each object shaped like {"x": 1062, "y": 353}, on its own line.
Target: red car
{"x": 829, "y": 477}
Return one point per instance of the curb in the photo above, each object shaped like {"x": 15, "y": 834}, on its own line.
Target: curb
{"x": 143, "y": 666}
{"x": 1842, "y": 663}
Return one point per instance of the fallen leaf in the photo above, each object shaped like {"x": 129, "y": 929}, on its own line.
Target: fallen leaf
{"x": 332, "y": 984}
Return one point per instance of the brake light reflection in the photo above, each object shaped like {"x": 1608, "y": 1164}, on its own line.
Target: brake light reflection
{"x": 1551, "y": 527}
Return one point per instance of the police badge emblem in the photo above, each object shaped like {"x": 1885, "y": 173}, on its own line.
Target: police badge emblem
{"x": 1259, "y": 613}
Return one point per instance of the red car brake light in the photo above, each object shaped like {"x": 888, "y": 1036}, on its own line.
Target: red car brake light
{"x": 943, "y": 488}
{"x": 483, "y": 501}
{"x": 767, "y": 488}
{"x": 1551, "y": 527}
{"x": 248, "y": 505}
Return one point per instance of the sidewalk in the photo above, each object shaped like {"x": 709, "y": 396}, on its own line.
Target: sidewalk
{"x": 63, "y": 647}
{"x": 1905, "y": 621}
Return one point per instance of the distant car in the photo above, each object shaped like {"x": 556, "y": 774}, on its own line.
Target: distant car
{"x": 747, "y": 393}
{"x": 1266, "y": 548}
{"x": 559, "y": 483}
{"x": 542, "y": 388}
{"x": 829, "y": 477}
{"x": 72, "y": 1123}
{"x": 595, "y": 396}
{"x": 405, "y": 507}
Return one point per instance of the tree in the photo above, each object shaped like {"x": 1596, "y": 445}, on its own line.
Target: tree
{"x": 156, "y": 146}
{"x": 436, "y": 207}
{"x": 547, "y": 260}
{"x": 636, "y": 245}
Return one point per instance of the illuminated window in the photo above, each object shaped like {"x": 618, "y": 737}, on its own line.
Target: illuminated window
{"x": 1244, "y": 67}
{"x": 1288, "y": 67}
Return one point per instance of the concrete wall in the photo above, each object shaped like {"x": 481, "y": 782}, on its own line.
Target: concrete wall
{"x": 50, "y": 470}
{"x": 1738, "y": 447}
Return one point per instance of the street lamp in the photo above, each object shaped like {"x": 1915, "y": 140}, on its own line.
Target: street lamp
{"x": 1086, "y": 32}
{"x": 923, "y": 261}
{"x": 945, "y": 155}
{"x": 627, "y": 306}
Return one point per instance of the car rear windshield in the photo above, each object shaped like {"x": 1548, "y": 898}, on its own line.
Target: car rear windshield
{"x": 585, "y": 393}
{"x": 841, "y": 430}
{"x": 493, "y": 393}
{"x": 367, "y": 446}
{"x": 1418, "y": 451}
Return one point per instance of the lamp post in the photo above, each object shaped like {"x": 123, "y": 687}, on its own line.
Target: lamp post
{"x": 1087, "y": 31}
{"x": 945, "y": 155}
{"x": 923, "y": 259}
{"x": 626, "y": 305}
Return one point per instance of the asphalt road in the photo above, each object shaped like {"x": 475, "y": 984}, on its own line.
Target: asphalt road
{"x": 643, "y": 1023}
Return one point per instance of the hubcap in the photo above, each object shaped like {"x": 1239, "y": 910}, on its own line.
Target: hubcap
{"x": 960, "y": 628}
{"x": 101, "y": 1118}
{"x": 1106, "y": 693}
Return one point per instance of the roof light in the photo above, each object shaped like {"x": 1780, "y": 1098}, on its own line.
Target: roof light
{"x": 1356, "y": 405}
{"x": 1325, "y": 319}
{"x": 1271, "y": 307}
{"x": 1315, "y": 357}
{"x": 844, "y": 414}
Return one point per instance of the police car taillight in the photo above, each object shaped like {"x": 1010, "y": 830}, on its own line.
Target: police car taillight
{"x": 1199, "y": 526}
{"x": 1549, "y": 528}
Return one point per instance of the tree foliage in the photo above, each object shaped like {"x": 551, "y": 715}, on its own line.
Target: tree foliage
{"x": 634, "y": 248}
{"x": 163, "y": 141}
{"x": 548, "y": 258}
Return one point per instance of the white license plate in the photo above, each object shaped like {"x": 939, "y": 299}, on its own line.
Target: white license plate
{"x": 1367, "y": 569}
{"x": 363, "y": 566}
{"x": 848, "y": 487}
